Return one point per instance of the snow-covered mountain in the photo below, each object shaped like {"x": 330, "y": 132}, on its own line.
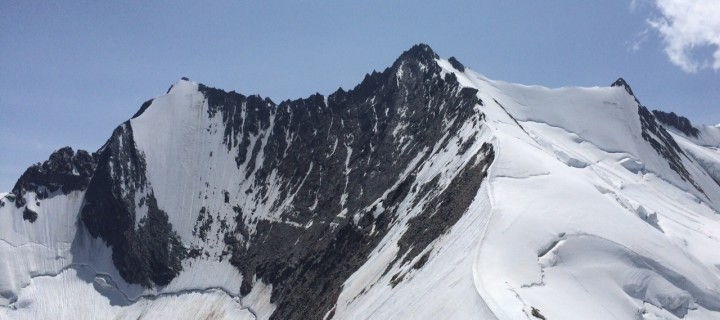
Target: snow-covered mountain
{"x": 428, "y": 191}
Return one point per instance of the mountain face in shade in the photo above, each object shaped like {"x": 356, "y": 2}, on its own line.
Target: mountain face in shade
{"x": 427, "y": 191}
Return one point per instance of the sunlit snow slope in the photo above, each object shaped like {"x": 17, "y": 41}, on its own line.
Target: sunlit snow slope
{"x": 426, "y": 192}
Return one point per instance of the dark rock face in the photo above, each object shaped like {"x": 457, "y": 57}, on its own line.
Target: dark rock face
{"x": 664, "y": 144}
{"x": 239, "y": 130}
{"x": 456, "y": 64}
{"x": 678, "y": 122}
{"x": 154, "y": 251}
{"x": 144, "y": 106}
{"x": 376, "y": 129}
{"x": 29, "y": 215}
{"x": 64, "y": 172}
{"x": 150, "y": 252}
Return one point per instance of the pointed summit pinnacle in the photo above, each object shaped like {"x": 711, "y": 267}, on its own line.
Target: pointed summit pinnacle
{"x": 620, "y": 82}
{"x": 417, "y": 62}
{"x": 419, "y": 52}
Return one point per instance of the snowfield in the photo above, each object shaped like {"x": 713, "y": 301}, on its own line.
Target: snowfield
{"x": 74, "y": 294}
{"x": 588, "y": 220}
{"x": 579, "y": 218}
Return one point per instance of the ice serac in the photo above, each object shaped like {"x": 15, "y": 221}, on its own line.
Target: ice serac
{"x": 427, "y": 191}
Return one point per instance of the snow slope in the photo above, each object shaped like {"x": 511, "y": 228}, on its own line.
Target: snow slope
{"x": 579, "y": 217}
{"x": 588, "y": 220}
{"x": 74, "y": 294}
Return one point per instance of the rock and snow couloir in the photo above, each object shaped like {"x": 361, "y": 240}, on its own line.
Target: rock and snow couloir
{"x": 427, "y": 191}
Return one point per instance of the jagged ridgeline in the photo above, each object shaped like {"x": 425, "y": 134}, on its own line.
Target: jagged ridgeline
{"x": 376, "y": 202}
{"x": 322, "y": 179}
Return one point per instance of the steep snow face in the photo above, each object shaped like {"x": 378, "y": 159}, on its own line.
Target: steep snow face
{"x": 428, "y": 191}
{"x": 43, "y": 246}
{"x": 171, "y": 136}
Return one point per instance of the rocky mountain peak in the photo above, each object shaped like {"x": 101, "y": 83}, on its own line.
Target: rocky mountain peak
{"x": 65, "y": 171}
{"x": 420, "y": 52}
{"x": 620, "y": 82}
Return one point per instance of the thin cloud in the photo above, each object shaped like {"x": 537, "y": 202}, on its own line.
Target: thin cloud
{"x": 686, "y": 27}
{"x": 636, "y": 44}
{"x": 636, "y": 4}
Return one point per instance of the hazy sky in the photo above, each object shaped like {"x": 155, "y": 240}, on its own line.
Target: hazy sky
{"x": 70, "y": 72}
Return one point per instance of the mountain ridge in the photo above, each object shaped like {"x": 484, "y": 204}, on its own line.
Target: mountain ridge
{"x": 326, "y": 207}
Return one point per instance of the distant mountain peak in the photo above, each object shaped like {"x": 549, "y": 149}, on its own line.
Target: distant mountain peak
{"x": 420, "y": 52}
{"x": 620, "y": 82}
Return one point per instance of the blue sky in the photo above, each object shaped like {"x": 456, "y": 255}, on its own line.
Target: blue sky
{"x": 71, "y": 72}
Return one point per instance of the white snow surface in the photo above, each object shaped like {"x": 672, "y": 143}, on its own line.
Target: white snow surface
{"x": 579, "y": 218}
{"x": 587, "y": 220}
{"x": 74, "y": 294}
